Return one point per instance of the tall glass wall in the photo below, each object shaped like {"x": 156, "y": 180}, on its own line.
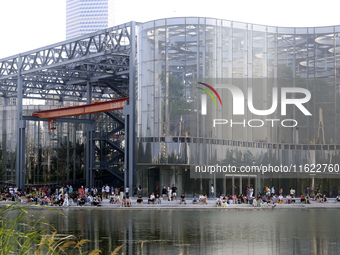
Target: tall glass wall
{"x": 57, "y": 156}
{"x": 173, "y": 134}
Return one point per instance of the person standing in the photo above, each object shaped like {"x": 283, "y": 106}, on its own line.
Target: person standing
{"x": 281, "y": 190}
{"x": 70, "y": 190}
{"x": 164, "y": 191}
{"x": 107, "y": 191}
{"x": 251, "y": 192}
{"x": 81, "y": 191}
{"x": 292, "y": 192}
{"x": 212, "y": 191}
{"x": 140, "y": 191}
{"x": 169, "y": 193}
{"x": 267, "y": 192}
{"x": 174, "y": 192}
{"x": 121, "y": 193}
{"x": 66, "y": 202}
{"x": 103, "y": 191}
{"x": 127, "y": 190}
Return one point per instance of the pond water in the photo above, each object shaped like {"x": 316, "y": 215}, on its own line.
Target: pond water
{"x": 208, "y": 231}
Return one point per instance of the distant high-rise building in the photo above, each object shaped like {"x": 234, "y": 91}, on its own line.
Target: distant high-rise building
{"x": 87, "y": 16}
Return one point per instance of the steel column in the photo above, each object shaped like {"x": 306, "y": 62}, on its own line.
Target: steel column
{"x": 74, "y": 152}
{"x": 4, "y": 146}
{"x": 68, "y": 154}
{"x": 21, "y": 124}
{"x": 89, "y": 143}
{"x": 129, "y": 112}
{"x": 132, "y": 94}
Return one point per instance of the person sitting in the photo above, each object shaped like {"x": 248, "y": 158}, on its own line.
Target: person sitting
{"x": 288, "y": 199}
{"x": 96, "y": 201}
{"x": 45, "y": 201}
{"x": 258, "y": 201}
{"x": 152, "y": 198}
{"x": 60, "y": 201}
{"x": 183, "y": 199}
{"x": 54, "y": 199}
{"x": 91, "y": 199}
{"x": 324, "y": 198}
{"x": 243, "y": 199}
{"x": 158, "y": 199}
{"x": 139, "y": 199}
{"x": 273, "y": 199}
{"x": 307, "y": 200}
{"x": 239, "y": 199}
{"x": 205, "y": 199}
{"x": 123, "y": 202}
{"x": 116, "y": 199}
{"x": 337, "y": 199}
{"x": 128, "y": 201}
{"x": 224, "y": 200}
{"x": 317, "y": 197}
{"x": 201, "y": 198}
{"x": 302, "y": 199}
{"x": 36, "y": 199}
{"x": 112, "y": 199}
{"x": 194, "y": 200}
{"x": 81, "y": 201}
{"x": 219, "y": 201}
{"x": 280, "y": 199}
{"x": 88, "y": 199}
{"x": 293, "y": 199}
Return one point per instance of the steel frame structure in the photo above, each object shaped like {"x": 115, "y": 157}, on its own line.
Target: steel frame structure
{"x": 97, "y": 66}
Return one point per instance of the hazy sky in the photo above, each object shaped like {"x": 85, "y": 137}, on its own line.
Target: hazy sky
{"x": 29, "y": 24}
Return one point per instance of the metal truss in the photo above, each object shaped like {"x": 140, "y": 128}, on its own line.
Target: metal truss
{"x": 98, "y": 66}
{"x": 61, "y": 71}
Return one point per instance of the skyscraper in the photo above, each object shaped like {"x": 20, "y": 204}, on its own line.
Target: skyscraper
{"x": 87, "y": 16}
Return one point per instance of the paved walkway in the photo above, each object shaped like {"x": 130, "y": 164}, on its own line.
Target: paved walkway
{"x": 211, "y": 204}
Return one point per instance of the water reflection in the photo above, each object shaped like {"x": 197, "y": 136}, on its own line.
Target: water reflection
{"x": 264, "y": 231}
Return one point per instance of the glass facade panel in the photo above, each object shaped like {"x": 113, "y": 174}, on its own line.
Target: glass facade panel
{"x": 265, "y": 63}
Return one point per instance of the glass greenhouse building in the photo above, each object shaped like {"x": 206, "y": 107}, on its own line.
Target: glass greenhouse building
{"x": 173, "y": 136}
{"x": 214, "y": 94}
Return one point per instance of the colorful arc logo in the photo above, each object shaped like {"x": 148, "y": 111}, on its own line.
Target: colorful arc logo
{"x": 204, "y": 97}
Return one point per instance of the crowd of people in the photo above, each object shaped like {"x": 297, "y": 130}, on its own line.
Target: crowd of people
{"x": 270, "y": 196}
{"x": 267, "y": 196}
{"x": 65, "y": 196}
